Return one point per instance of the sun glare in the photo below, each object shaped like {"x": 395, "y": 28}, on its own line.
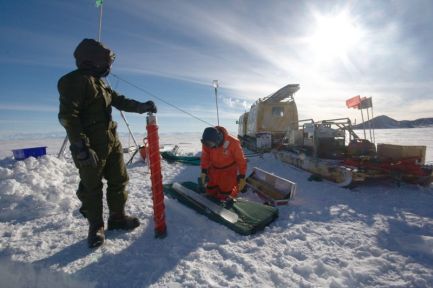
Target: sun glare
{"x": 334, "y": 35}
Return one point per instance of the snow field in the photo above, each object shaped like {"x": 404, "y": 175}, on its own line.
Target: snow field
{"x": 375, "y": 235}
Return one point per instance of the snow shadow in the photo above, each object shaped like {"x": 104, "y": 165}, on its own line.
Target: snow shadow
{"x": 66, "y": 256}
{"x": 146, "y": 259}
{"x": 415, "y": 242}
{"x": 323, "y": 201}
{"x": 16, "y": 274}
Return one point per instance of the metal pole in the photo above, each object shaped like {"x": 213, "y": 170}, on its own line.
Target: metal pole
{"x": 363, "y": 124}
{"x": 372, "y": 123}
{"x": 100, "y": 22}
{"x": 129, "y": 129}
{"x": 215, "y": 85}
{"x": 369, "y": 125}
{"x": 62, "y": 149}
{"x": 124, "y": 119}
{"x": 216, "y": 100}
{"x": 137, "y": 147}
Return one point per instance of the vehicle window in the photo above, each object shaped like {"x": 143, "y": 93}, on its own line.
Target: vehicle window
{"x": 277, "y": 111}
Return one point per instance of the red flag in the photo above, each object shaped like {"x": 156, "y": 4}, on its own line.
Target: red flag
{"x": 353, "y": 102}
{"x": 366, "y": 103}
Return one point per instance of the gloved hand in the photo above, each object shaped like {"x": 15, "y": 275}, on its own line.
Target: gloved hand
{"x": 203, "y": 177}
{"x": 148, "y": 106}
{"x": 228, "y": 203}
{"x": 241, "y": 182}
{"x": 85, "y": 155}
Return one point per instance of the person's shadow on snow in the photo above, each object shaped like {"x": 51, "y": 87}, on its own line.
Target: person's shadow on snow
{"x": 414, "y": 242}
{"x": 66, "y": 256}
{"x": 147, "y": 259}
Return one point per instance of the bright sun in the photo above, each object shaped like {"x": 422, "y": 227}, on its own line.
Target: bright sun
{"x": 334, "y": 35}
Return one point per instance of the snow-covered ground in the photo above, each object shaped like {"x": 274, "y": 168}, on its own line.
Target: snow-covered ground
{"x": 376, "y": 235}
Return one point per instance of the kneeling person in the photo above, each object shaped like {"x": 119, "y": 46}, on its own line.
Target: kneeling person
{"x": 223, "y": 164}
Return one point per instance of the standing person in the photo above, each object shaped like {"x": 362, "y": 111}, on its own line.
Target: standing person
{"x": 223, "y": 164}
{"x": 85, "y": 113}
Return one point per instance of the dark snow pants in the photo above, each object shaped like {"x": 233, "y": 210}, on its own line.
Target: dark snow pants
{"x": 111, "y": 166}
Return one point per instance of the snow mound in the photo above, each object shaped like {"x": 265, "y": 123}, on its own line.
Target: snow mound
{"x": 40, "y": 187}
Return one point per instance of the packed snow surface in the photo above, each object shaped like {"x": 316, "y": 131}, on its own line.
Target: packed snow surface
{"x": 375, "y": 235}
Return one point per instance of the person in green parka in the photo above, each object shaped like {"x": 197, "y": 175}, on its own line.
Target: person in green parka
{"x": 85, "y": 113}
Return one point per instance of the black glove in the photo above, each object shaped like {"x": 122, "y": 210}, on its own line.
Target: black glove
{"x": 148, "y": 106}
{"x": 229, "y": 203}
{"x": 85, "y": 155}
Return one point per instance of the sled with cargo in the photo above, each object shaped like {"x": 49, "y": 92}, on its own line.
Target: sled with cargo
{"x": 329, "y": 149}
{"x": 171, "y": 155}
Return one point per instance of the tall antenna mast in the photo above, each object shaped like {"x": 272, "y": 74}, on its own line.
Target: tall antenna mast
{"x": 216, "y": 85}
{"x": 99, "y": 3}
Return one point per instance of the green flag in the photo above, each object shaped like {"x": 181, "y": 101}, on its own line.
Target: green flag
{"x": 99, "y": 2}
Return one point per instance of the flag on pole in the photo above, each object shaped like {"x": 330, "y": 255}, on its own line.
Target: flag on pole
{"x": 366, "y": 103}
{"x": 353, "y": 102}
{"x": 99, "y": 3}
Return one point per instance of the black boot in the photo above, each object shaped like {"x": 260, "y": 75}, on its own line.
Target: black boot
{"x": 122, "y": 221}
{"x": 96, "y": 235}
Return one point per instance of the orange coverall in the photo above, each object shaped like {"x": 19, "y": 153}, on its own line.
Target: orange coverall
{"x": 223, "y": 165}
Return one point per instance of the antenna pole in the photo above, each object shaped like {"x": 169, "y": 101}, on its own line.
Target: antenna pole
{"x": 363, "y": 124}
{"x": 100, "y": 22}
{"x": 215, "y": 85}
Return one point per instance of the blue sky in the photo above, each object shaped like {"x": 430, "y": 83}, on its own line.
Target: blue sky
{"x": 174, "y": 49}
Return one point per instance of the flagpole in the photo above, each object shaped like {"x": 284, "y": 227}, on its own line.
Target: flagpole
{"x": 216, "y": 85}
{"x": 100, "y": 21}
{"x": 369, "y": 125}
{"x": 372, "y": 123}
{"x": 363, "y": 124}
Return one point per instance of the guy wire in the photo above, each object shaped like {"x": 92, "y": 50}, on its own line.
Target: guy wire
{"x": 160, "y": 99}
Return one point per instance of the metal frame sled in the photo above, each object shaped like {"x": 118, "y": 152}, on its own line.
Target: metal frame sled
{"x": 273, "y": 189}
